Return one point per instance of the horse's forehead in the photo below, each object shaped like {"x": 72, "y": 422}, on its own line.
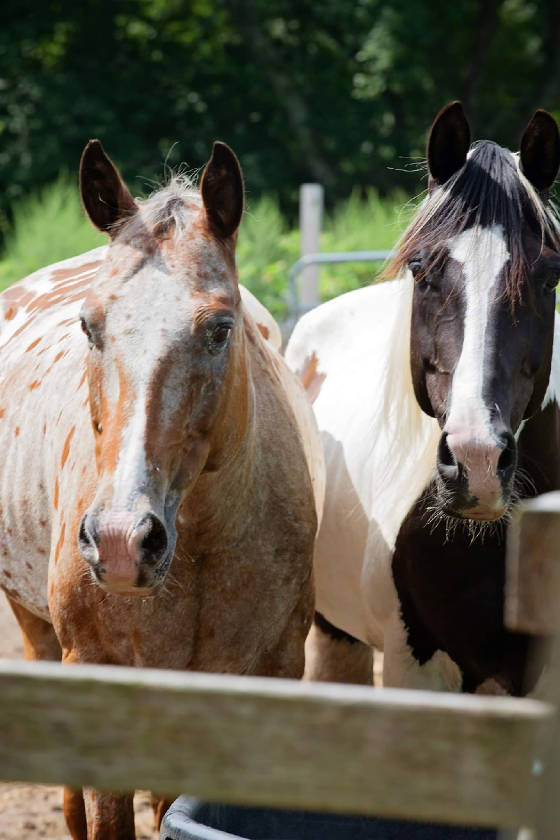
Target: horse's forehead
{"x": 169, "y": 283}
{"x": 481, "y": 251}
{"x": 197, "y": 261}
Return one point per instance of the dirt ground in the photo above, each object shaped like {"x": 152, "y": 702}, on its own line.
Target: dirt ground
{"x": 32, "y": 811}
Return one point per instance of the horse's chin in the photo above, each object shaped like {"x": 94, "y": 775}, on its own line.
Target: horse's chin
{"x": 132, "y": 592}
{"x": 478, "y": 514}
{"x": 467, "y": 507}
{"x": 129, "y": 589}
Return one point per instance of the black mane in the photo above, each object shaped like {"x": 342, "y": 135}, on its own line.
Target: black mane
{"x": 488, "y": 190}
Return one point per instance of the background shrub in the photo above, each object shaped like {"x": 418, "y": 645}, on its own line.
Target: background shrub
{"x": 50, "y": 226}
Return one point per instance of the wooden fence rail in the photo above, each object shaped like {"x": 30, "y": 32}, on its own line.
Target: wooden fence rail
{"x": 439, "y": 757}
{"x": 451, "y": 758}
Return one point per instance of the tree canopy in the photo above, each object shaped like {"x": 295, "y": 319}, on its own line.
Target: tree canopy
{"x": 336, "y": 92}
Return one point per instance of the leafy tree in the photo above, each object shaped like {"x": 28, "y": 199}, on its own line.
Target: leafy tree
{"x": 341, "y": 93}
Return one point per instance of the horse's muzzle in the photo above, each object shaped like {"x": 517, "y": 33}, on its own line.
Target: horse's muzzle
{"x": 475, "y": 480}
{"x": 127, "y": 554}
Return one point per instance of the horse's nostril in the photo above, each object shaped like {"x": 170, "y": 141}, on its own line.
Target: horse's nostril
{"x": 88, "y": 539}
{"x": 154, "y": 541}
{"x": 447, "y": 464}
{"x": 508, "y": 457}
{"x": 83, "y": 536}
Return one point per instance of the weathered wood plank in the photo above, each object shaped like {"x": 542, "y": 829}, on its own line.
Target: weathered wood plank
{"x": 452, "y": 758}
{"x": 533, "y": 566}
{"x": 547, "y": 805}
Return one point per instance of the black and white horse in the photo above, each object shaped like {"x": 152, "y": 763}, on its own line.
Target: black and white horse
{"x": 437, "y": 398}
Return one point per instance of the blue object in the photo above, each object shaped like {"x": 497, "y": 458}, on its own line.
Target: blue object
{"x": 190, "y": 819}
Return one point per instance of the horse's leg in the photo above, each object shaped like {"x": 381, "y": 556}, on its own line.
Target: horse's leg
{"x": 331, "y": 655}
{"x": 75, "y": 813}
{"x": 109, "y": 817}
{"x": 159, "y": 807}
{"x": 40, "y": 642}
{"x": 106, "y": 816}
{"x": 437, "y": 672}
{"x": 39, "y": 637}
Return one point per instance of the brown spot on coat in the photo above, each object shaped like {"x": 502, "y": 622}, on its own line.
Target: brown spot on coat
{"x": 16, "y": 431}
{"x": 62, "y": 274}
{"x": 34, "y": 384}
{"x": 18, "y": 296}
{"x": 33, "y": 344}
{"x": 264, "y": 331}
{"x": 66, "y": 448}
{"x": 59, "y": 543}
{"x": 56, "y": 493}
{"x": 310, "y": 378}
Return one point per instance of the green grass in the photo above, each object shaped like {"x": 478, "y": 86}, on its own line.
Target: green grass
{"x": 48, "y": 226}
{"x": 51, "y": 226}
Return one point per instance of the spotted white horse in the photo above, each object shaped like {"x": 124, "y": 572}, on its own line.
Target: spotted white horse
{"x": 162, "y": 474}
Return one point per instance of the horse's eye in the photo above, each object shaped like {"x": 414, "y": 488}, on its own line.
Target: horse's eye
{"x": 415, "y": 266}
{"x": 87, "y": 331}
{"x": 552, "y": 281}
{"x": 218, "y": 336}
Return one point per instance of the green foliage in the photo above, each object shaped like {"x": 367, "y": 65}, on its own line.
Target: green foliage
{"x": 51, "y": 225}
{"x": 360, "y": 224}
{"x": 268, "y": 248}
{"x": 337, "y": 93}
{"x": 47, "y": 227}
{"x": 265, "y": 253}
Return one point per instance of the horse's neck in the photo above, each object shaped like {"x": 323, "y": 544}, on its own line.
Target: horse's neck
{"x": 539, "y": 452}
{"x": 218, "y": 505}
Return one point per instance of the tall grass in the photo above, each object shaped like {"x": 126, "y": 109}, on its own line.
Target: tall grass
{"x": 47, "y": 226}
{"x": 51, "y": 226}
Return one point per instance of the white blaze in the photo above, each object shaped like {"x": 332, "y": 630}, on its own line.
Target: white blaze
{"x": 131, "y": 471}
{"x": 483, "y": 254}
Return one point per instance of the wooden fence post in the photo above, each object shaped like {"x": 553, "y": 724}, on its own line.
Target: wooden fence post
{"x": 310, "y": 219}
{"x": 533, "y": 606}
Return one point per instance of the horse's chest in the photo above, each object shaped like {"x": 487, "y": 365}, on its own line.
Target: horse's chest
{"x": 451, "y": 594}
{"x": 217, "y": 612}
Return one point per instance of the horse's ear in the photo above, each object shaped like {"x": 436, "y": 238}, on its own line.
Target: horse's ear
{"x": 222, "y": 191}
{"x": 448, "y": 143}
{"x": 105, "y": 196}
{"x": 539, "y": 152}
